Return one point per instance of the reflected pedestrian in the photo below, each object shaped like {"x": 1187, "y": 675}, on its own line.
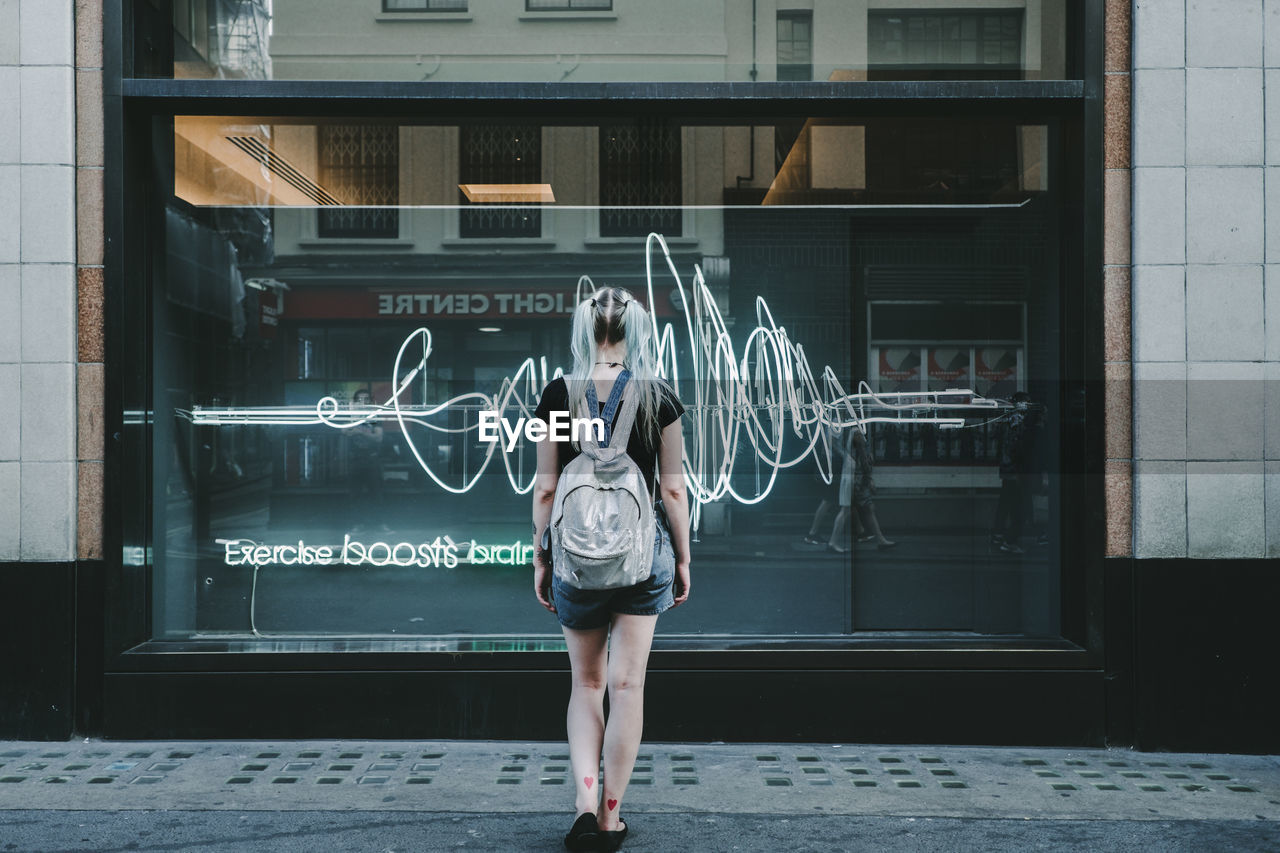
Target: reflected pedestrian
{"x": 864, "y": 486}
{"x": 1013, "y": 510}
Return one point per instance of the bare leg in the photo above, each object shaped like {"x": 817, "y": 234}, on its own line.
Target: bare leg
{"x": 837, "y": 531}
{"x": 823, "y": 509}
{"x": 631, "y": 639}
{"x": 585, "y": 718}
{"x": 872, "y": 524}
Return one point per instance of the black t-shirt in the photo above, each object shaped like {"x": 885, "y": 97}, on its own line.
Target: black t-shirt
{"x": 555, "y": 398}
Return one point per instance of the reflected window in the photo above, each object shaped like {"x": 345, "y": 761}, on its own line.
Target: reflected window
{"x": 424, "y": 5}
{"x": 360, "y": 166}
{"x": 497, "y": 156}
{"x": 640, "y": 176}
{"x": 795, "y": 45}
{"x": 906, "y": 44}
{"x": 566, "y": 5}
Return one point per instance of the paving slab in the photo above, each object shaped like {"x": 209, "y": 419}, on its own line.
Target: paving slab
{"x": 488, "y": 777}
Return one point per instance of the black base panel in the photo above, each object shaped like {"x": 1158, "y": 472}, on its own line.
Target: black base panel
{"x": 91, "y": 609}
{"x": 960, "y": 707}
{"x": 37, "y": 635}
{"x": 1205, "y": 654}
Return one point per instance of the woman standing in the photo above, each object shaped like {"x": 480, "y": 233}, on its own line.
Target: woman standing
{"x": 609, "y": 632}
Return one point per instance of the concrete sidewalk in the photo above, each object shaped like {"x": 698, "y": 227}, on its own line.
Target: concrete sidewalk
{"x": 487, "y": 795}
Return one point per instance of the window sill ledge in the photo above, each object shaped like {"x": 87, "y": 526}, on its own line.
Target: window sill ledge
{"x": 355, "y": 243}
{"x": 498, "y": 243}
{"x": 422, "y": 17}
{"x": 585, "y": 15}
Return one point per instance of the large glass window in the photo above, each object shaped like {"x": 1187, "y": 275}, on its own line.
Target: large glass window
{"x": 317, "y": 465}
{"x": 590, "y": 41}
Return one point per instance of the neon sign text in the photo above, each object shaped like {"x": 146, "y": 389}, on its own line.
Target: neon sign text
{"x": 442, "y": 552}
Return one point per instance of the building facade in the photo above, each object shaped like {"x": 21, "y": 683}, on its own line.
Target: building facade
{"x": 267, "y": 209}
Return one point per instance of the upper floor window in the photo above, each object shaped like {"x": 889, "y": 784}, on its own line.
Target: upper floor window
{"x": 795, "y": 45}
{"x": 640, "y": 179}
{"x": 497, "y": 155}
{"x": 424, "y": 5}
{"x": 963, "y": 44}
{"x": 567, "y": 5}
{"x": 360, "y": 165}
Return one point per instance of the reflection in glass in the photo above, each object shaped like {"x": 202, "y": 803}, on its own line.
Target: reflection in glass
{"x": 574, "y": 41}
{"x": 930, "y": 272}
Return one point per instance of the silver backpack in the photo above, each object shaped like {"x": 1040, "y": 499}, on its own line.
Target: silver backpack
{"x": 602, "y": 519}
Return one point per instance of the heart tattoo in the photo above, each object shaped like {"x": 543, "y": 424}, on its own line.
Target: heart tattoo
{"x": 613, "y": 804}
{"x": 588, "y": 780}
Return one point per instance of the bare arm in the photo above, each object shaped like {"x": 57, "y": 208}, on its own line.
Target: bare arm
{"x": 544, "y": 494}
{"x": 675, "y": 500}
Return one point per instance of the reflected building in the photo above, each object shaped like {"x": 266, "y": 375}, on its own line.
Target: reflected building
{"x": 915, "y": 250}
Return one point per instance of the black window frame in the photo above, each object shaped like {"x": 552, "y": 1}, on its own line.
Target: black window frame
{"x": 429, "y": 7}
{"x": 569, "y": 6}
{"x": 168, "y": 689}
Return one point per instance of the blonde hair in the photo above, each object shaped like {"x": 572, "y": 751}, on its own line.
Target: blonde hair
{"x": 609, "y": 316}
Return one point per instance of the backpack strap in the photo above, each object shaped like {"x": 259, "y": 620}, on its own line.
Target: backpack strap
{"x": 618, "y": 397}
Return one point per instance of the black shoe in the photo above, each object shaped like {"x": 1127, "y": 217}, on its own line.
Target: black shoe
{"x": 611, "y": 839}
{"x": 585, "y": 833}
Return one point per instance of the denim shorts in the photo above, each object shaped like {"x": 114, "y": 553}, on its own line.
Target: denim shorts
{"x": 586, "y": 609}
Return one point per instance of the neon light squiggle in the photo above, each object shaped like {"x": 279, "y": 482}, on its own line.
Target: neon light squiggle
{"x": 752, "y": 397}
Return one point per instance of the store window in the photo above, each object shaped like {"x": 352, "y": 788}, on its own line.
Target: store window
{"x": 316, "y": 459}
